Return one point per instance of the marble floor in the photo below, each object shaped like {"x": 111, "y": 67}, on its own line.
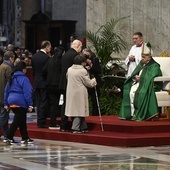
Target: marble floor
{"x": 58, "y": 155}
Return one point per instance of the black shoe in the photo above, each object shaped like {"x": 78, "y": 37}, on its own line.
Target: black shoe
{"x": 43, "y": 126}
{"x": 10, "y": 142}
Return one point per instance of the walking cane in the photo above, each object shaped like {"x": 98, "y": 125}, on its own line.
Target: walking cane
{"x": 97, "y": 99}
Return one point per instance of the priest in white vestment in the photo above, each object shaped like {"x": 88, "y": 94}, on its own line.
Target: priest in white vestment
{"x": 134, "y": 56}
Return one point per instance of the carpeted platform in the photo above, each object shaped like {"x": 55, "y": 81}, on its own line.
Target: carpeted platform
{"x": 116, "y": 132}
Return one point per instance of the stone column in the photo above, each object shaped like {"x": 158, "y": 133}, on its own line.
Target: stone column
{"x": 6, "y": 20}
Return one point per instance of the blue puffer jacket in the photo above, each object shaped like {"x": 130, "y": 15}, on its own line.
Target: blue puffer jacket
{"x": 20, "y": 91}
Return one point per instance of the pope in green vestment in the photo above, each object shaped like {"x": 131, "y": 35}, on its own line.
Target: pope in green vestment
{"x": 144, "y": 101}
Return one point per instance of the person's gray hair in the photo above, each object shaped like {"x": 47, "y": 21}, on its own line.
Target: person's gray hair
{"x": 79, "y": 59}
{"x": 87, "y": 50}
{"x": 44, "y": 44}
{"x": 8, "y": 55}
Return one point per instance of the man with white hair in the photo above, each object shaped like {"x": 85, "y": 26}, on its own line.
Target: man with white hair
{"x": 139, "y": 100}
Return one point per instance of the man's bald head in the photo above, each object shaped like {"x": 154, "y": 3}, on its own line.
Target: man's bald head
{"x": 10, "y": 47}
{"x": 77, "y": 45}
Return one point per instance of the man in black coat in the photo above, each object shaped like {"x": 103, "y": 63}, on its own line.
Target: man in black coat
{"x": 67, "y": 61}
{"x": 38, "y": 62}
{"x": 52, "y": 70}
{"x": 94, "y": 69}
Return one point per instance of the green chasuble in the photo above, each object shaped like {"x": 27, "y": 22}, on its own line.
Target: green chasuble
{"x": 145, "y": 102}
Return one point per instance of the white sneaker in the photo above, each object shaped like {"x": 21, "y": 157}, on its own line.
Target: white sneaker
{"x": 5, "y": 139}
{"x": 10, "y": 142}
{"x": 28, "y": 141}
{"x": 54, "y": 127}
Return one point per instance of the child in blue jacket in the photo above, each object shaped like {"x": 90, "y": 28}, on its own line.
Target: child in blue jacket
{"x": 18, "y": 97}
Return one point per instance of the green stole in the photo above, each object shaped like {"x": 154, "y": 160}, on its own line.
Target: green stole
{"x": 145, "y": 102}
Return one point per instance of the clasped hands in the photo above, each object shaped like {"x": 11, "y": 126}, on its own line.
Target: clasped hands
{"x": 136, "y": 78}
{"x": 132, "y": 58}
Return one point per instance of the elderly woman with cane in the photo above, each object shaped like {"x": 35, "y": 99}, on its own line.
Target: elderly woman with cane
{"x": 77, "y": 96}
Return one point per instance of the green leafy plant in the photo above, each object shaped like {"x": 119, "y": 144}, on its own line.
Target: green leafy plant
{"x": 109, "y": 39}
{"x": 109, "y": 103}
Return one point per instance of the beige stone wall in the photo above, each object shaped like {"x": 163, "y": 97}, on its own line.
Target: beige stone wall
{"x": 151, "y": 17}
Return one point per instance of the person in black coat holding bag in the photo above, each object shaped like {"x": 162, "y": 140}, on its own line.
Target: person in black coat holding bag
{"x": 52, "y": 71}
{"x": 67, "y": 61}
{"x": 38, "y": 62}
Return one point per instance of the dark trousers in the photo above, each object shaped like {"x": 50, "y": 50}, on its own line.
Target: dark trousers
{"x": 5, "y": 129}
{"x": 64, "y": 118}
{"x": 20, "y": 118}
{"x": 42, "y": 105}
{"x": 92, "y": 95}
{"x": 54, "y": 97}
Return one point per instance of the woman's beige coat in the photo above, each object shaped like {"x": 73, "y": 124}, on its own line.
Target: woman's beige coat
{"x": 76, "y": 94}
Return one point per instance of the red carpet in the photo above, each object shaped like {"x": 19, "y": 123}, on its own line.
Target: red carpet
{"x": 116, "y": 132}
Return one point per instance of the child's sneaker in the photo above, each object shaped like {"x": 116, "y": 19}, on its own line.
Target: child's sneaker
{"x": 5, "y": 139}
{"x": 27, "y": 141}
{"x": 30, "y": 141}
{"x": 10, "y": 142}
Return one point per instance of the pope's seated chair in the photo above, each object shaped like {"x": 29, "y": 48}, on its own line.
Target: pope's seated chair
{"x": 163, "y": 96}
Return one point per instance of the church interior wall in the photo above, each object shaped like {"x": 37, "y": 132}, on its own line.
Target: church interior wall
{"x": 147, "y": 16}
{"x": 71, "y": 10}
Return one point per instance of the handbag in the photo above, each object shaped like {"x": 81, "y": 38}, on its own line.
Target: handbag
{"x": 4, "y": 116}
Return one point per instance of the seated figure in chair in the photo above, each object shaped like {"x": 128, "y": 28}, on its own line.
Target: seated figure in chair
{"x": 139, "y": 99}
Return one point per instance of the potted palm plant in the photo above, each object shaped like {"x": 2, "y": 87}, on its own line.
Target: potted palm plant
{"x": 104, "y": 43}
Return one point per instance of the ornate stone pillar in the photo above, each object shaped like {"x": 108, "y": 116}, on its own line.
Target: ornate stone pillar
{"x": 18, "y": 23}
{"x": 7, "y": 21}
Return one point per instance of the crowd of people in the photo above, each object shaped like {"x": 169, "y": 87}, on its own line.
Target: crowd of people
{"x": 73, "y": 74}
{"x": 51, "y": 76}
{"x": 20, "y": 54}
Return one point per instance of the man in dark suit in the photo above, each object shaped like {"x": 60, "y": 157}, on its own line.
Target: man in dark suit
{"x": 67, "y": 61}
{"x": 52, "y": 71}
{"x": 38, "y": 62}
